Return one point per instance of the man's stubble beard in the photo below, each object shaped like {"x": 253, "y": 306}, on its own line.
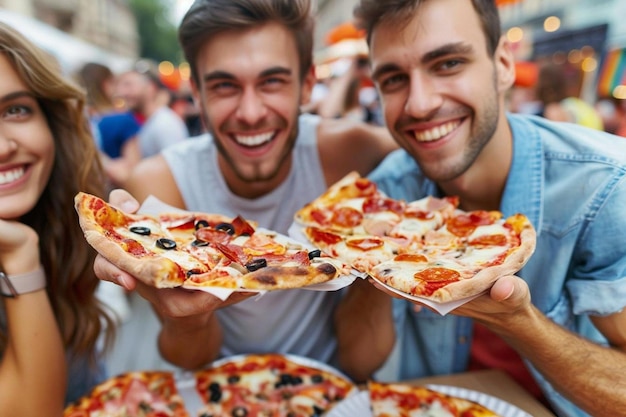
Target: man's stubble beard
{"x": 257, "y": 174}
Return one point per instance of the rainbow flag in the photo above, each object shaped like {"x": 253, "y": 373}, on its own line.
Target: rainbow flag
{"x": 612, "y": 73}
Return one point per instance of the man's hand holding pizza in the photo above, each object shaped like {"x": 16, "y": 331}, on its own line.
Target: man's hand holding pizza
{"x": 183, "y": 313}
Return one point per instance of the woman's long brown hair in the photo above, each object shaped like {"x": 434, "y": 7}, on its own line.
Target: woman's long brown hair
{"x": 65, "y": 255}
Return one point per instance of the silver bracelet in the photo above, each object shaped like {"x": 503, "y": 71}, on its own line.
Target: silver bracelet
{"x": 14, "y": 285}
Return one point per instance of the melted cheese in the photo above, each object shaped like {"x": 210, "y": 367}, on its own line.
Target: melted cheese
{"x": 474, "y": 257}
{"x": 488, "y": 230}
{"x": 414, "y": 227}
{"x": 177, "y": 255}
{"x": 355, "y": 203}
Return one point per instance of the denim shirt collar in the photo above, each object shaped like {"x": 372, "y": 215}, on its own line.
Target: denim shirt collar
{"x": 523, "y": 192}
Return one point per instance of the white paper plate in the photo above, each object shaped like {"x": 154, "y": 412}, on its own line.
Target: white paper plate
{"x": 359, "y": 404}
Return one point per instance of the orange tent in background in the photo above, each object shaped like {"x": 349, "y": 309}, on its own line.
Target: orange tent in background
{"x": 343, "y": 41}
{"x": 526, "y": 73}
{"x": 506, "y": 2}
{"x": 344, "y": 31}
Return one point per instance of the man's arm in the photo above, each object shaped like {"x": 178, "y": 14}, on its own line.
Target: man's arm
{"x": 579, "y": 369}
{"x": 346, "y": 145}
{"x": 365, "y": 330}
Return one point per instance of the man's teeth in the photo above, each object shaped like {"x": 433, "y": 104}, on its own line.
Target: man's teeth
{"x": 436, "y": 132}
{"x": 12, "y": 175}
{"x": 254, "y": 140}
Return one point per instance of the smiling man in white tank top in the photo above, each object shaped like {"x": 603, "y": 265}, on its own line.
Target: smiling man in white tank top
{"x": 251, "y": 64}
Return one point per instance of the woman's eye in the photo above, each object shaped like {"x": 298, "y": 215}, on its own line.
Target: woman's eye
{"x": 18, "y": 111}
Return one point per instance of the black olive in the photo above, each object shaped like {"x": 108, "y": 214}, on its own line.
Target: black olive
{"x": 140, "y": 230}
{"x": 316, "y": 253}
{"x": 285, "y": 379}
{"x": 201, "y": 223}
{"x": 199, "y": 243}
{"x": 165, "y": 243}
{"x": 193, "y": 272}
{"x": 215, "y": 392}
{"x": 215, "y": 396}
{"x": 316, "y": 379}
{"x": 296, "y": 380}
{"x": 226, "y": 227}
{"x": 256, "y": 264}
{"x": 233, "y": 379}
{"x": 239, "y": 412}
{"x": 317, "y": 411}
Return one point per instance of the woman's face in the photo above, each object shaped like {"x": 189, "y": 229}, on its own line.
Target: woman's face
{"x": 26, "y": 145}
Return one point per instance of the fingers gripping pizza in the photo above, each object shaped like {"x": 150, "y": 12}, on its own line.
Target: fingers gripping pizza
{"x": 427, "y": 248}
{"x": 197, "y": 250}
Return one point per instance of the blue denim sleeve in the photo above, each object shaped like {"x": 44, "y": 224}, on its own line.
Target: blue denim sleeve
{"x": 598, "y": 284}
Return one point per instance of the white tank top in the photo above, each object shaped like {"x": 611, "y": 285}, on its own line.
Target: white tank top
{"x": 291, "y": 321}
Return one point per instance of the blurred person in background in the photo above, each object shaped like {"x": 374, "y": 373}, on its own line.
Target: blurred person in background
{"x": 522, "y": 97}
{"x": 559, "y": 102}
{"x": 350, "y": 92}
{"x": 144, "y": 93}
{"x": 184, "y": 105}
{"x": 50, "y": 319}
{"x": 115, "y": 131}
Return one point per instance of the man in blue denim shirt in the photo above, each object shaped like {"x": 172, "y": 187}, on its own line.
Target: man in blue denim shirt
{"x": 442, "y": 69}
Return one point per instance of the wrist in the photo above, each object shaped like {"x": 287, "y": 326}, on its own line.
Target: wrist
{"x": 14, "y": 285}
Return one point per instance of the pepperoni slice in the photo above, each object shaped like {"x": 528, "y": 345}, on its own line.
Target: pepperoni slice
{"x": 410, "y": 257}
{"x": 365, "y": 244}
{"x": 233, "y": 253}
{"x": 320, "y": 216}
{"x": 347, "y": 217}
{"x": 211, "y": 235}
{"x": 419, "y": 214}
{"x": 435, "y": 278}
{"x": 378, "y": 204}
{"x": 489, "y": 240}
{"x": 318, "y": 235}
{"x": 463, "y": 225}
{"x": 133, "y": 247}
{"x": 242, "y": 227}
{"x": 365, "y": 187}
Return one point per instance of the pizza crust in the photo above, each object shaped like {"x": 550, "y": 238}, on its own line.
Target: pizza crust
{"x": 485, "y": 278}
{"x": 163, "y": 272}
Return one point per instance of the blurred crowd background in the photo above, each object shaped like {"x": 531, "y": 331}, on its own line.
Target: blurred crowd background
{"x": 571, "y": 53}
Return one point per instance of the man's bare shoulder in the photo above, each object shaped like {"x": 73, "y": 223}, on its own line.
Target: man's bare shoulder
{"x": 152, "y": 176}
{"x": 348, "y": 145}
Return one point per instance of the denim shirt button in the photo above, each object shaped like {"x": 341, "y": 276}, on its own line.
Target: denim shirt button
{"x": 462, "y": 340}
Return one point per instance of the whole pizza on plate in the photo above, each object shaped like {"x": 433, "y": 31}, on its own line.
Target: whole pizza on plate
{"x": 427, "y": 248}
{"x": 271, "y": 385}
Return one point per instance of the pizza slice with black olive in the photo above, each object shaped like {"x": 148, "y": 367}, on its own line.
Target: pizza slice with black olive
{"x": 198, "y": 250}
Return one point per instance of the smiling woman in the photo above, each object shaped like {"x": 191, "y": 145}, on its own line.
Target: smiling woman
{"x": 48, "y": 310}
